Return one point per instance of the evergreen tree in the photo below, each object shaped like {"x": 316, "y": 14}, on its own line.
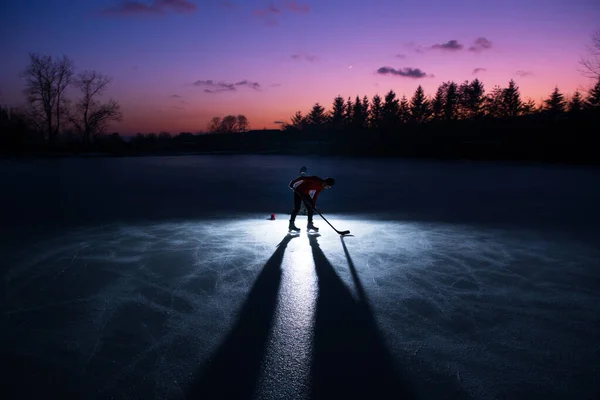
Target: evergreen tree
{"x": 349, "y": 111}
{"x": 576, "y": 103}
{"x": 529, "y": 107}
{"x": 337, "y": 113}
{"x": 451, "y": 101}
{"x": 317, "y": 116}
{"x": 463, "y": 99}
{"x": 555, "y": 104}
{"x": 511, "y": 100}
{"x": 404, "y": 111}
{"x": 358, "y": 114}
{"x": 593, "y": 98}
{"x": 437, "y": 104}
{"x": 376, "y": 112}
{"x": 476, "y": 99}
{"x": 299, "y": 121}
{"x": 366, "y": 110}
{"x": 419, "y": 106}
{"x": 494, "y": 103}
{"x": 391, "y": 108}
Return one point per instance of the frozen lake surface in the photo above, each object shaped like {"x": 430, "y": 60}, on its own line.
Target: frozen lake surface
{"x": 161, "y": 278}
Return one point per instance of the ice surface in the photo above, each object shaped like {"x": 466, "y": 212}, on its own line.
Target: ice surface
{"x": 146, "y": 278}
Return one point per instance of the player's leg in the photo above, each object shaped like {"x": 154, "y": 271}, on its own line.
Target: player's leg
{"x": 297, "y": 202}
{"x": 310, "y": 225}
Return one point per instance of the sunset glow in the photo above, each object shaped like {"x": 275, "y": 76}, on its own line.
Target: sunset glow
{"x": 176, "y": 63}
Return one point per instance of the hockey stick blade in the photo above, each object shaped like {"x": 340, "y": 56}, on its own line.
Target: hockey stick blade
{"x": 324, "y": 219}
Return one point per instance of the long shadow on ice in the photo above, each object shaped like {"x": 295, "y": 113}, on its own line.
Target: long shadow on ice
{"x": 233, "y": 371}
{"x": 350, "y": 360}
{"x": 437, "y": 384}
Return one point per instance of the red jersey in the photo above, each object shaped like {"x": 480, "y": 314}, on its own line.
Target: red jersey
{"x": 309, "y": 186}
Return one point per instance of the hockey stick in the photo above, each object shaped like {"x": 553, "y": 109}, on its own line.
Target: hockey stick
{"x": 318, "y": 212}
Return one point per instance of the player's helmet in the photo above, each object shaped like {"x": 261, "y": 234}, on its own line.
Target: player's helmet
{"x": 303, "y": 170}
{"x": 330, "y": 181}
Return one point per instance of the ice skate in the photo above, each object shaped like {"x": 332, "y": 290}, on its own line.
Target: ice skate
{"x": 293, "y": 228}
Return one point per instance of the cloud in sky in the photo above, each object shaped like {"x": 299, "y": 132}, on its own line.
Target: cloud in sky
{"x": 175, "y": 96}
{"x": 271, "y": 11}
{"x": 278, "y": 122}
{"x": 414, "y": 73}
{"x": 523, "y": 74}
{"x": 134, "y": 7}
{"x": 307, "y": 57}
{"x": 253, "y": 85}
{"x": 451, "y": 45}
{"x": 211, "y": 86}
{"x": 478, "y": 70}
{"x": 480, "y": 44}
{"x": 276, "y": 85}
{"x": 400, "y": 55}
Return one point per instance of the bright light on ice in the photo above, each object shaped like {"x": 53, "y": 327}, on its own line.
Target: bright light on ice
{"x": 440, "y": 293}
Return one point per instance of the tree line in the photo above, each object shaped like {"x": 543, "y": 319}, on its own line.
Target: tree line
{"x": 451, "y": 102}
{"x": 229, "y": 124}
{"x": 458, "y": 120}
{"x": 49, "y": 112}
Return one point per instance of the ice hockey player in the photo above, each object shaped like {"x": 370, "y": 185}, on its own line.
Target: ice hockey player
{"x": 306, "y": 190}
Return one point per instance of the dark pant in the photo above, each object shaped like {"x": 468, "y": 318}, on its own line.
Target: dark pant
{"x": 297, "y": 203}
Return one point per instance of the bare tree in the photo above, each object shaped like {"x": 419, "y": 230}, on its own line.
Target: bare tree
{"x": 228, "y": 124}
{"x": 90, "y": 117}
{"x": 214, "y": 125}
{"x": 591, "y": 64}
{"x": 242, "y": 123}
{"x": 46, "y": 81}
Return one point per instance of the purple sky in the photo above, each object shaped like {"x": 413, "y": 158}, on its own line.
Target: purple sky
{"x": 177, "y": 63}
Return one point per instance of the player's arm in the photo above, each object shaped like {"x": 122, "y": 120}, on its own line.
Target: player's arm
{"x": 314, "y": 198}
{"x": 295, "y": 182}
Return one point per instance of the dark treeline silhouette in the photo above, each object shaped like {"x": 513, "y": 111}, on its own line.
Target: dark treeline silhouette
{"x": 50, "y": 120}
{"x": 457, "y": 121}
{"x": 460, "y": 120}
{"x": 229, "y": 124}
